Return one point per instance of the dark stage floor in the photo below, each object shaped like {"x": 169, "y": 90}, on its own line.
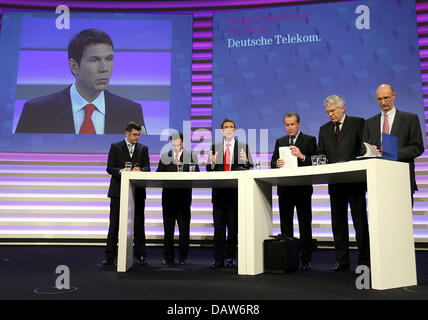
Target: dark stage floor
{"x": 28, "y": 272}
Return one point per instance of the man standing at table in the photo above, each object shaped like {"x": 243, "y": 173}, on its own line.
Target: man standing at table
{"x": 340, "y": 140}
{"x": 403, "y": 125}
{"x": 303, "y": 147}
{"x": 227, "y": 155}
{"x": 127, "y": 150}
{"x": 176, "y": 202}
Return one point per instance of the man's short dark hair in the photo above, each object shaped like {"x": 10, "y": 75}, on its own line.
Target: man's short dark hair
{"x": 85, "y": 38}
{"x": 228, "y": 120}
{"x": 292, "y": 114}
{"x": 176, "y": 135}
{"x": 133, "y": 125}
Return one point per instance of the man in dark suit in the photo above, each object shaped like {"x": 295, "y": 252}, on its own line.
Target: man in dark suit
{"x": 303, "y": 147}
{"x": 403, "y": 125}
{"x": 127, "y": 150}
{"x": 340, "y": 140}
{"x": 227, "y": 155}
{"x": 85, "y": 107}
{"x": 176, "y": 202}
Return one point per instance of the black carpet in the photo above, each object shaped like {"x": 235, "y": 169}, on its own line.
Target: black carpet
{"x": 28, "y": 273}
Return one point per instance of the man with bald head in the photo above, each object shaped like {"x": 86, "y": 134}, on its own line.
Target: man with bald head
{"x": 403, "y": 125}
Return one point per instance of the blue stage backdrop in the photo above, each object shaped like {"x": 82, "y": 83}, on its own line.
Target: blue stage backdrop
{"x": 267, "y": 62}
{"x": 152, "y": 66}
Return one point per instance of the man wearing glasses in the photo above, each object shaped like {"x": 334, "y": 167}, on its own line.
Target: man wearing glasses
{"x": 403, "y": 125}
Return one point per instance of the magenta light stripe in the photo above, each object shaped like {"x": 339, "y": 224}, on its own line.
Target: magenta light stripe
{"x": 202, "y": 34}
{"x": 203, "y": 14}
{"x": 202, "y": 56}
{"x": 59, "y": 157}
{"x": 423, "y": 42}
{"x": 202, "y": 67}
{"x": 199, "y": 112}
{"x": 422, "y": 18}
{"x": 202, "y": 45}
{"x": 423, "y": 29}
{"x": 52, "y": 157}
{"x": 147, "y": 4}
{"x": 202, "y": 78}
{"x": 201, "y": 123}
{"x": 424, "y": 65}
{"x": 202, "y": 100}
{"x": 202, "y": 89}
{"x": 202, "y": 24}
{"x": 421, "y": 6}
{"x": 423, "y": 53}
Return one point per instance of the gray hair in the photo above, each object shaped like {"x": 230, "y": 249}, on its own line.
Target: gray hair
{"x": 336, "y": 100}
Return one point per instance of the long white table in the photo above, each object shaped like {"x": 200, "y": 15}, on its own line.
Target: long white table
{"x": 389, "y": 205}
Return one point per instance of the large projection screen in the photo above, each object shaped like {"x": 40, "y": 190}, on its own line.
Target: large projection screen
{"x": 268, "y": 62}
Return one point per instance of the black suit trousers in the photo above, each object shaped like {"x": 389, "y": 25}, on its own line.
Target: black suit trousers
{"x": 139, "y": 232}
{"x": 298, "y": 197}
{"x": 355, "y": 196}
{"x": 225, "y": 215}
{"x": 171, "y": 214}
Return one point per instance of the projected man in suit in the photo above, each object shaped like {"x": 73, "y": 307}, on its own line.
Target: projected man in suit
{"x": 227, "y": 155}
{"x": 340, "y": 140}
{"x": 303, "y": 147}
{"x": 403, "y": 125}
{"x": 176, "y": 202}
{"x": 127, "y": 150}
{"x": 85, "y": 107}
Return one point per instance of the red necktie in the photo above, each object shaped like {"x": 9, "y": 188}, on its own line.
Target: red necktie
{"x": 227, "y": 158}
{"x": 385, "y": 128}
{"x": 87, "y": 125}
{"x": 176, "y": 159}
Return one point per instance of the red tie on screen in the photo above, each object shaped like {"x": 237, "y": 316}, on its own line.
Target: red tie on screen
{"x": 87, "y": 125}
{"x": 227, "y": 158}
{"x": 176, "y": 159}
{"x": 385, "y": 128}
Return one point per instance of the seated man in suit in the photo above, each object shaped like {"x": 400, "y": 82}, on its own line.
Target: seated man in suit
{"x": 227, "y": 155}
{"x": 85, "y": 107}
{"x": 127, "y": 150}
{"x": 340, "y": 140}
{"x": 176, "y": 202}
{"x": 403, "y": 125}
{"x": 303, "y": 147}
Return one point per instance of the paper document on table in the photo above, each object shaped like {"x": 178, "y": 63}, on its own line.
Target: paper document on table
{"x": 290, "y": 160}
{"x": 370, "y": 153}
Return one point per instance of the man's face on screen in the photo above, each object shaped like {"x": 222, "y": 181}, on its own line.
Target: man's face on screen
{"x": 94, "y": 70}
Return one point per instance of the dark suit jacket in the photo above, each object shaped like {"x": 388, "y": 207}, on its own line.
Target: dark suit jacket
{"x": 117, "y": 157}
{"x": 347, "y": 148}
{"x": 53, "y": 114}
{"x": 237, "y": 164}
{"x": 308, "y": 147}
{"x": 176, "y": 197}
{"x": 407, "y": 129}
